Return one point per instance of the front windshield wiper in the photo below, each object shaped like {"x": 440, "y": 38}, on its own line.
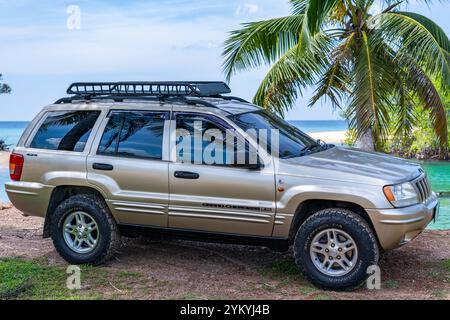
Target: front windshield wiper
{"x": 303, "y": 152}
{"x": 320, "y": 146}
{"x": 309, "y": 148}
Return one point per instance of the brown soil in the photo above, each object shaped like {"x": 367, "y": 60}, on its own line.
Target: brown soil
{"x": 183, "y": 269}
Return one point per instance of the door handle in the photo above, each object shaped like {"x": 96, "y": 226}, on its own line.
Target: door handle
{"x": 186, "y": 175}
{"x": 103, "y": 167}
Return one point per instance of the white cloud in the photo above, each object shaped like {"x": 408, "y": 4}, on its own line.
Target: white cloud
{"x": 144, "y": 37}
{"x": 247, "y": 9}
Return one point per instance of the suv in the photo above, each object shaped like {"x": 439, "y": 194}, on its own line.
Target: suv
{"x": 134, "y": 158}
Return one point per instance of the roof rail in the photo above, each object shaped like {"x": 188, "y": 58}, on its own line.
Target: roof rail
{"x": 148, "y": 89}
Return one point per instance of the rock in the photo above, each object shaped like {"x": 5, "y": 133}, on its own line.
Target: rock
{"x": 4, "y": 206}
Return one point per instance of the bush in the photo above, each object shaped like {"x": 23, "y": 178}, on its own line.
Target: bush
{"x": 3, "y": 145}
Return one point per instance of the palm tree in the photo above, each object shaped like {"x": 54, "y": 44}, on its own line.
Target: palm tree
{"x": 376, "y": 66}
{"x": 4, "y": 88}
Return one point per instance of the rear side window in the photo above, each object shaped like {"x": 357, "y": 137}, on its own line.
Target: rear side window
{"x": 65, "y": 130}
{"x": 134, "y": 134}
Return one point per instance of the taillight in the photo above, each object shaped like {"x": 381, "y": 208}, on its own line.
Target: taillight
{"x": 15, "y": 166}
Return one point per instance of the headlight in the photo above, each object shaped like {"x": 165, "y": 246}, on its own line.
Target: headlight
{"x": 401, "y": 195}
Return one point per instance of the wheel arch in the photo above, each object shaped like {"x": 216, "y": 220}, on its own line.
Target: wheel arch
{"x": 309, "y": 207}
{"x": 61, "y": 193}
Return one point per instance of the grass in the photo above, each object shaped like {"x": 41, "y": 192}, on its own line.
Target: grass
{"x": 286, "y": 272}
{"x": 35, "y": 280}
{"x": 441, "y": 293}
{"x": 283, "y": 267}
{"x": 444, "y": 265}
{"x": 190, "y": 296}
{"x": 391, "y": 284}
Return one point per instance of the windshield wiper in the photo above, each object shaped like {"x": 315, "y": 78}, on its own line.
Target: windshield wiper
{"x": 311, "y": 147}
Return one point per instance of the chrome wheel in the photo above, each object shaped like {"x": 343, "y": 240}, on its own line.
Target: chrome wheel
{"x": 333, "y": 252}
{"x": 80, "y": 232}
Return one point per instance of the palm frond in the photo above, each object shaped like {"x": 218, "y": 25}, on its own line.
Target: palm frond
{"x": 421, "y": 39}
{"x": 316, "y": 13}
{"x": 372, "y": 91}
{"x": 261, "y": 42}
{"x": 423, "y": 87}
{"x": 334, "y": 82}
{"x": 299, "y": 6}
{"x": 404, "y": 113}
{"x": 290, "y": 74}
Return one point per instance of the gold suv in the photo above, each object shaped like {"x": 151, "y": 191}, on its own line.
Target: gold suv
{"x": 185, "y": 159}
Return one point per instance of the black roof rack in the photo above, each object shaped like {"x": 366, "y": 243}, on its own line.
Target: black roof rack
{"x": 156, "y": 89}
{"x": 184, "y": 91}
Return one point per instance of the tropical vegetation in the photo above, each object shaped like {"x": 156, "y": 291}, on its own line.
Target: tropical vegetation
{"x": 4, "y": 88}
{"x": 378, "y": 67}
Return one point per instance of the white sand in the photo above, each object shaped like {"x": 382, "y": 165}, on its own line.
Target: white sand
{"x": 330, "y": 137}
{"x": 4, "y": 159}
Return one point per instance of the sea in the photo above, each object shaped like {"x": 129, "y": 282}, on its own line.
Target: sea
{"x": 438, "y": 171}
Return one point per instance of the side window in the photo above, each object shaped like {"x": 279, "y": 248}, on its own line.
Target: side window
{"x": 207, "y": 140}
{"x": 134, "y": 134}
{"x": 65, "y": 131}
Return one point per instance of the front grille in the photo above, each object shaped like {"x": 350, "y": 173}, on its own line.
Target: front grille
{"x": 423, "y": 188}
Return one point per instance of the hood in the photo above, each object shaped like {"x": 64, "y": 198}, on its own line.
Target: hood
{"x": 356, "y": 162}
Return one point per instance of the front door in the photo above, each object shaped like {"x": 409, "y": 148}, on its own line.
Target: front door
{"x": 130, "y": 165}
{"x": 217, "y": 197}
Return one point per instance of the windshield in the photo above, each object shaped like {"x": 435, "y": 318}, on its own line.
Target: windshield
{"x": 293, "y": 142}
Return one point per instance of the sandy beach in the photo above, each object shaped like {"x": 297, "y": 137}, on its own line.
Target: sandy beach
{"x": 4, "y": 159}
{"x": 330, "y": 137}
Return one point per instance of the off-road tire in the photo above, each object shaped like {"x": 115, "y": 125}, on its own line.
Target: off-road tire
{"x": 109, "y": 240}
{"x": 352, "y": 224}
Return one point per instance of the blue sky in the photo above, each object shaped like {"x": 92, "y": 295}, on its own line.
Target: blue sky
{"x": 132, "y": 40}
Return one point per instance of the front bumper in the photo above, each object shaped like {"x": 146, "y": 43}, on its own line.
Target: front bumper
{"x": 29, "y": 197}
{"x": 396, "y": 227}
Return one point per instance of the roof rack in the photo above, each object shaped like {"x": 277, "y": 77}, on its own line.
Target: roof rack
{"x": 189, "y": 92}
{"x": 155, "y": 89}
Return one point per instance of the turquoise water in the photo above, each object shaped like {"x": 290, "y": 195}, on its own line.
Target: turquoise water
{"x": 320, "y": 126}
{"x": 10, "y": 131}
{"x": 438, "y": 172}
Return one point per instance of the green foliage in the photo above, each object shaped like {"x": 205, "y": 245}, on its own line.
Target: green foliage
{"x": 350, "y": 138}
{"x": 363, "y": 63}
{"x": 4, "y": 88}
{"x": 36, "y": 280}
{"x": 284, "y": 267}
{"x": 418, "y": 138}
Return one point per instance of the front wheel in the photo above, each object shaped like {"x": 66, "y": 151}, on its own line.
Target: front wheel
{"x": 334, "y": 248}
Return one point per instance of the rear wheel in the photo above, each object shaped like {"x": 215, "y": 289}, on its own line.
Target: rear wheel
{"x": 334, "y": 248}
{"x": 83, "y": 230}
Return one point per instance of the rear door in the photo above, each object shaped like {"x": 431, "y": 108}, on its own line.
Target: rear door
{"x": 130, "y": 164}
{"x": 216, "y": 198}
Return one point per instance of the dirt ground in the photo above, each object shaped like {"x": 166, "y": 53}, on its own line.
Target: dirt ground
{"x": 191, "y": 270}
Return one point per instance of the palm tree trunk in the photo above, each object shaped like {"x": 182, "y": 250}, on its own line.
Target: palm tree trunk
{"x": 366, "y": 142}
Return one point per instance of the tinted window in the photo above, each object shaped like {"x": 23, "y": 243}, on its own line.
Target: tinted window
{"x": 108, "y": 143}
{"x": 218, "y": 144}
{"x": 292, "y": 141}
{"x": 66, "y": 131}
{"x": 134, "y": 134}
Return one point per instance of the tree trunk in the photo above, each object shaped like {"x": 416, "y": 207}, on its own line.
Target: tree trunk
{"x": 366, "y": 142}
